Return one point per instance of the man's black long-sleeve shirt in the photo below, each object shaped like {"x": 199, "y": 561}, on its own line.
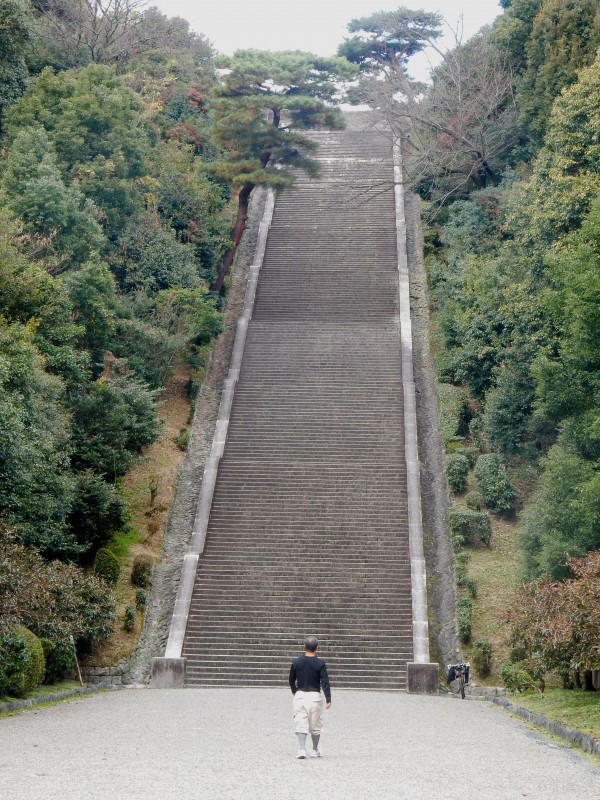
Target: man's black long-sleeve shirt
{"x": 309, "y": 674}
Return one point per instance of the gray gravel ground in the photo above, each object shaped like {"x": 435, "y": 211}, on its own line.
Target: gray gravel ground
{"x": 237, "y": 744}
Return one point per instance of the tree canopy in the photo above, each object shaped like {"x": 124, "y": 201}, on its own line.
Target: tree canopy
{"x": 260, "y": 108}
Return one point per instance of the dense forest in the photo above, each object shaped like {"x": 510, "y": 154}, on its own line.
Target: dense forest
{"x": 504, "y": 152}
{"x": 129, "y": 150}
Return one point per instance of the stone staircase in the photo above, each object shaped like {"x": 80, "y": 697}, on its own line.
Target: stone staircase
{"x": 308, "y": 531}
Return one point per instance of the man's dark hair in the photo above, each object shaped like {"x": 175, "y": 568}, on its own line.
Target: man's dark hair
{"x": 311, "y": 643}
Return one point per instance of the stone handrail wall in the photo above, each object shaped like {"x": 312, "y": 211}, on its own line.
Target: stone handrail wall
{"x": 190, "y": 562}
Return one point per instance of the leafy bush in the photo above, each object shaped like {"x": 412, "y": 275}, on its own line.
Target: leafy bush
{"x": 113, "y": 421}
{"x": 140, "y": 599}
{"x": 471, "y": 586}
{"x": 494, "y": 484}
{"x": 60, "y": 661}
{"x": 464, "y": 614}
{"x": 453, "y": 411}
{"x": 98, "y": 511}
{"x": 516, "y": 678}
{"x": 55, "y": 600}
{"x": 182, "y": 439}
{"x": 482, "y": 657}
{"x": 467, "y": 526}
{"x": 474, "y": 501}
{"x": 107, "y": 566}
{"x": 461, "y": 572}
{"x": 22, "y": 663}
{"x": 470, "y": 453}
{"x": 457, "y": 472}
{"x": 141, "y": 572}
{"x": 563, "y": 517}
{"x": 129, "y": 618}
{"x": 477, "y": 433}
{"x": 508, "y": 407}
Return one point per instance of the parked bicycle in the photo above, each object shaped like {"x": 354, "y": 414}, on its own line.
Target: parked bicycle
{"x": 460, "y": 673}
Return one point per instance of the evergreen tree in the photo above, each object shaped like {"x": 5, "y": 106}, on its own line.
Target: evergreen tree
{"x": 15, "y": 35}
{"x": 565, "y": 37}
{"x": 260, "y": 107}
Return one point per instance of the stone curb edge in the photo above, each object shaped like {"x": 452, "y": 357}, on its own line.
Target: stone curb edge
{"x": 574, "y": 737}
{"x": 17, "y": 705}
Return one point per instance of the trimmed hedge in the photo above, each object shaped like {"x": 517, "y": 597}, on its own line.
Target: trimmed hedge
{"x": 141, "y": 572}
{"x": 493, "y": 482}
{"x": 468, "y": 526}
{"x": 140, "y": 599}
{"x": 457, "y": 472}
{"x": 22, "y": 663}
{"x": 475, "y": 501}
{"x": 106, "y": 566}
{"x": 129, "y": 618}
{"x": 60, "y": 661}
{"x": 482, "y": 657}
{"x": 464, "y": 614}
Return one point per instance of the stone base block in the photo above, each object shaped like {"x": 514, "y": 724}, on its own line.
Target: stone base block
{"x": 423, "y": 678}
{"x": 168, "y": 673}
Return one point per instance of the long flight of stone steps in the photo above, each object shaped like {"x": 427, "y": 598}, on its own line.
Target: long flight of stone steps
{"x": 308, "y": 530}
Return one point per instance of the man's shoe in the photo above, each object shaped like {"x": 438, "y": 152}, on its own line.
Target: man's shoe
{"x": 318, "y": 753}
{"x": 302, "y": 753}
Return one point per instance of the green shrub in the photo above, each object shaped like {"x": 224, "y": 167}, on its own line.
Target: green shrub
{"x": 106, "y": 566}
{"x": 454, "y": 409}
{"x": 461, "y": 573}
{"x": 182, "y": 439}
{"x": 494, "y": 484}
{"x": 462, "y": 576}
{"x": 141, "y": 572}
{"x": 477, "y": 433}
{"x": 464, "y": 614}
{"x": 516, "y": 678}
{"x": 60, "y": 661}
{"x": 140, "y": 599}
{"x": 467, "y": 526}
{"x": 482, "y": 657}
{"x": 457, "y": 471}
{"x": 22, "y": 663}
{"x": 129, "y": 618}
{"x": 508, "y": 407}
{"x": 470, "y": 453}
{"x": 474, "y": 501}
{"x": 98, "y": 510}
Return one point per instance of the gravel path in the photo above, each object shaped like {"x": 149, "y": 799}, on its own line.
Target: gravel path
{"x": 237, "y": 744}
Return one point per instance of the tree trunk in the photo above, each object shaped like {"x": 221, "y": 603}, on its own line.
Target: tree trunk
{"x": 588, "y": 681}
{"x": 242, "y": 216}
{"x": 240, "y": 227}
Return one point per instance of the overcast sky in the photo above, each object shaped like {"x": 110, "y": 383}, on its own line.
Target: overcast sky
{"x": 314, "y": 25}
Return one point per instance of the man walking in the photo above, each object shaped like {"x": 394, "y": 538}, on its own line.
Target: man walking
{"x": 308, "y": 675}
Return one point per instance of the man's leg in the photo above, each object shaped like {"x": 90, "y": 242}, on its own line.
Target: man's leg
{"x": 301, "y": 725}
{"x": 315, "y": 724}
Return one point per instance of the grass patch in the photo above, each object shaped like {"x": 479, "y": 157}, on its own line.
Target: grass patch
{"x": 495, "y": 571}
{"x": 121, "y": 542}
{"x": 574, "y": 708}
{"x": 39, "y": 691}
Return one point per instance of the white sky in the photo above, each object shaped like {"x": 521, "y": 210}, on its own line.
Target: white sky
{"x": 317, "y": 26}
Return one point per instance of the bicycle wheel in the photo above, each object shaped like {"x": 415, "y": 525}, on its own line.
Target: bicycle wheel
{"x": 461, "y": 686}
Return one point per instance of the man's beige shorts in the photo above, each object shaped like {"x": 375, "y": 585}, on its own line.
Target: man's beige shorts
{"x": 308, "y": 712}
